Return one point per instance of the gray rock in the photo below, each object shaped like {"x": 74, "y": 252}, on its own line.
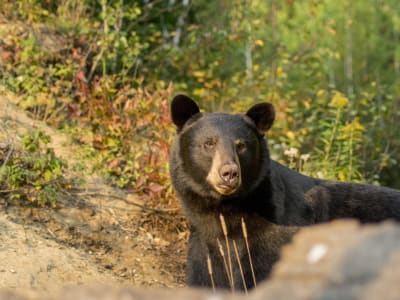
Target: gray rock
{"x": 339, "y": 260}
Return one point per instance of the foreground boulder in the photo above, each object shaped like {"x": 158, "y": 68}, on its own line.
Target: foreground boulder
{"x": 338, "y": 260}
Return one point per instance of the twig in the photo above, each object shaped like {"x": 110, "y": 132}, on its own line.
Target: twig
{"x": 51, "y": 233}
{"x": 9, "y": 191}
{"x": 8, "y": 154}
{"x": 145, "y": 208}
{"x": 95, "y": 63}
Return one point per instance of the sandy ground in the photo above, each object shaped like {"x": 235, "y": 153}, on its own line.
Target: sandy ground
{"x": 30, "y": 259}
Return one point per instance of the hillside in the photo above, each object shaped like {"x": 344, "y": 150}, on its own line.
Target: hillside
{"x": 98, "y": 233}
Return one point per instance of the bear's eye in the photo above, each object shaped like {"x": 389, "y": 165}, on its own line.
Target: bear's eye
{"x": 209, "y": 144}
{"x": 240, "y": 146}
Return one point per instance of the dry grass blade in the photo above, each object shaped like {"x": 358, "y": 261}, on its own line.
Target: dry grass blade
{"x": 240, "y": 266}
{"x": 223, "y": 225}
{"x": 221, "y": 251}
{"x": 225, "y": 231}
{"x": 210, "y": 272}
{"x": 244, "y": 229}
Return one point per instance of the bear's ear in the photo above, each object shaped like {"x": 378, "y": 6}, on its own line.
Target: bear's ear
{"x": 263, "y": 115}
{"x": 182, "y": 108}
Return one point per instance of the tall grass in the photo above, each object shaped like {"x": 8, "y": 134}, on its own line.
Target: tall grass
{"x": 227, "y": 257}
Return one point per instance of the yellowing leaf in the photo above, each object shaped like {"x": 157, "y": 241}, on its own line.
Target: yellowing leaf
{"x": 307, "y": 104}
{"x": 321, "y": 93}
{"x": 341, "y": 176}
{"x": 198, "y": 92}
{"x": 259, "y": 43}
{"x": 331, "y": 30}
{"x": 47, "y": 175}
{"x": 199, "y": 74}
{"x": 290, "y": 135}
{"x": 279, "y": 72}
{"x": 339, "y": 101}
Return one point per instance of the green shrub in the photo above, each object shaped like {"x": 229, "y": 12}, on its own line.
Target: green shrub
{"x": 33, "y": 173}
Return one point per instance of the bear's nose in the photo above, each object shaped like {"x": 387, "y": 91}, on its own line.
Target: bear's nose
{"x": 229, "y": 173}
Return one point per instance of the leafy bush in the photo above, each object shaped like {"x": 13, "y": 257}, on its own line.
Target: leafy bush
{"x": 91, "y": 82}
{"x": 33, "y": 173}
{"x": 130, "y": 132}
{"x": 339, "y": 138}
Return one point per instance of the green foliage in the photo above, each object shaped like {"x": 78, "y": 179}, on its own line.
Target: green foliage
{"x": 93, "y": 83}
{"x": 33, "y": 173}
{"x": 341, "y": 137}
{"x": 79, "y": 63}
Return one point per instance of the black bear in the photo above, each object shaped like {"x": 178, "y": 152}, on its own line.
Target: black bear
{"x": 221, "y": 170}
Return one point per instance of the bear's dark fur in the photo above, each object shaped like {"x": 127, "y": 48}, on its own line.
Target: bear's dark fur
{"x": 220, "y": 165}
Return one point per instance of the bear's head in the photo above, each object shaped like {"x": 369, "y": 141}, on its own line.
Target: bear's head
{"x": 218, "y": 155}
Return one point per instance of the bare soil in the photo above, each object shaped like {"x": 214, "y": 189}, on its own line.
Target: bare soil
{"x": 97, "y": 234}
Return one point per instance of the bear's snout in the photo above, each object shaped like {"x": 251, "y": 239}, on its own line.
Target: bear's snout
{"x": 229, "y": 173}
{"x": 224, "y": 174}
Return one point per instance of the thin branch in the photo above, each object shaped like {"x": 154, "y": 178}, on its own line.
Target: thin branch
{"x": 8, "y": 154}
{"x": 9, "y": 191}
{"x": 143, "y": 207}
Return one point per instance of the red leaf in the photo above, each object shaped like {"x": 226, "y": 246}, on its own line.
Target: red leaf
{"x": 155, "y": 188}
{"x": 114, "y": 163}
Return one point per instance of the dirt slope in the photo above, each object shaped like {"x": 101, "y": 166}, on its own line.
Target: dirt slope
{"x": 30, "y": 259}
{"x": 98, "y": 234}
